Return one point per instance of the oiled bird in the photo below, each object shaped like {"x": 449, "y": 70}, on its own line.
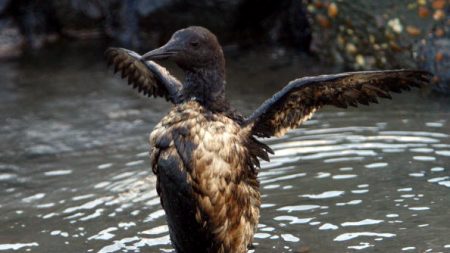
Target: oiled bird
{"x": 205, "y": 155}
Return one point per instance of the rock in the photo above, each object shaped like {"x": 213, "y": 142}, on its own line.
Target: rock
{"x": 35, "y": 21}
{"x": 4, "y": 5}
{"x": 10, "y": 39}
{"x": 434, "y": 56}
{"x": 369, "y": 35}
{"x": 129, "y": 22}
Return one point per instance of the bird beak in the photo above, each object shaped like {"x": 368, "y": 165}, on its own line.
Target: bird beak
{"x": 164, "y": 52}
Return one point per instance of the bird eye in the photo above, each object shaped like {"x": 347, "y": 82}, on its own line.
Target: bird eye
{"x": 195, "y": 43}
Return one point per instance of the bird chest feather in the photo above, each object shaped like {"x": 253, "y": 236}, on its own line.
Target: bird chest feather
{"x": 214, "y": 157}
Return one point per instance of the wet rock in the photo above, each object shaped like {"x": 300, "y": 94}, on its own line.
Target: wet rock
{"x": 4, "y": 5}
{"x": 146, "y": 7}
{"x": 434, "y": 56}
{"x": 277, "y": 22}
{"x": 35, "y": 20}
{"x": 366, "y": 34}
{"x": 132, "y": 22}
{"x": 10, "y": 39}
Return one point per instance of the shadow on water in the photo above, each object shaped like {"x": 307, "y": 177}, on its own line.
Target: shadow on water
{"x": 75, "y": 177}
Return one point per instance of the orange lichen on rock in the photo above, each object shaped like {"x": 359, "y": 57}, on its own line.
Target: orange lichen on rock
{"x": 423, "y": 12}
{"x": 319, "y": 4}
{"x": 439, "y": 56}
{"x": 323, "y": 21}
{"x": 395, "y": 47}
{"x": 439, "y": 32}
{"x": 413, "y": 31}
{"x": 438, "y": 4}
{"x": 332, "y": 10}
{"x": 435, "y": 79}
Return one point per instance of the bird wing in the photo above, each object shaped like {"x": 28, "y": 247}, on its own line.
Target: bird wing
{"x": 147, "y": 77}
{"x": 297, "y": 102}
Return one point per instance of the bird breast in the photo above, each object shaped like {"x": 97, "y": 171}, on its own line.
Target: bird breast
{"x": 212, "y": 149}
{"x": 214, "y": 143}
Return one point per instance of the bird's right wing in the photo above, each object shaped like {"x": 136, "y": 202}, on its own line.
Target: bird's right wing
{"x": 147, "y": 77}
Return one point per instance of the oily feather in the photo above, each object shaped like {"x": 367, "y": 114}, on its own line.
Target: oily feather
{"x": 147, "y": 77}
{"x": 212, "y": 153}
{"x": 298, "y": 101}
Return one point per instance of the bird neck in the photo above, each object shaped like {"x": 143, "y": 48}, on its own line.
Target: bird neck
{"x": 207, "y": 86}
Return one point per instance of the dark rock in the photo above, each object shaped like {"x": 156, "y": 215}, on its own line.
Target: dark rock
{"x": 146, "y": 7}
{"x": 277, "y": 22}
{"x": 4, "y": 6}
{"x": 36, "y": 20}
{"x": 130, "y": 22}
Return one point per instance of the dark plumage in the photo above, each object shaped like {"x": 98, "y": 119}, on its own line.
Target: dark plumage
{"x": 205, "y": 155}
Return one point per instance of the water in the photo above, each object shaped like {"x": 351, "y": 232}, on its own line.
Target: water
{"x": 75, "y": 177}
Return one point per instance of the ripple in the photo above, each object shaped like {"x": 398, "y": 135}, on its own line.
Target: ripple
{"x": 298, "y": 208}
{"x": 58, "y": 173}
{"x": 350, "y": 236}
{"x": 17, "y": 246}
{"x": 362, "y": 191}
{"x": 364, "y": 222}
{"x": 282, "y": 178}
{"x": 262, "y": 235}
{"x": 443, "y": 152}
{"x": 328, "y": 226}
{"x": 362, "y": 245}
{"x": 293, "y": 219}
{"x": 434, "y": 124}
{"x": 417, "y": 174}
{"x": 323, "y": 175}
{"x": 34, "y": 197}
{"x": 344, "y": 176}
{"x": 351, "y": 202}
{"x": 156, "y": 230}
{"x": 437, "y": 179}
{"x": 104, "y": 234}
{"x": 437, "y": 169}
{"x": 104, "y": 166}
{"x": 419, "y": 208}
{"x": 134, "y": 163}
{"x": 392, "y": 215}
{"x": 155, "y": 215}
{"x": 290, "y": 238}
{"x": 163, "y": 240}
{"x": 424, "y": 158}
{"x": 422, "y": 150}
{"x": 324, "y": 195}
{"x": 376, "y": 165}
{"x": 89, "y": 205}
{"x": 445, "y": 183}
{"x": 416, "y": 133}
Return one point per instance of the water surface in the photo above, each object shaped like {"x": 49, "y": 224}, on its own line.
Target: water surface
{"x": 75, "y": 177}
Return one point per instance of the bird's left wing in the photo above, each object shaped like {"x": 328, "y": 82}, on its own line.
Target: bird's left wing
{"x": 296, "y": 102}
{"x": 146, "y": 76}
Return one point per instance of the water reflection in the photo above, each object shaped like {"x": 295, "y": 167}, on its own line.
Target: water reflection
{"x": 372, "y": 178}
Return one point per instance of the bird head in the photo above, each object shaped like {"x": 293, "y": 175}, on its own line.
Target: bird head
{"x": 191, "y": 48}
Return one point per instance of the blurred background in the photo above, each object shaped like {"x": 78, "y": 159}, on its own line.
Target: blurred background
{"x": 353, "y": 34}
{"x": 74, "y": 170}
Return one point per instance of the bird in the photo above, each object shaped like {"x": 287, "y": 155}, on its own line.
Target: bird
{"x": 206, "y": 155}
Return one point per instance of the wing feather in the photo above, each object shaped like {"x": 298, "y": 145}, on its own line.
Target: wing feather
{"x": 298, "y": 101}
{"x": 147, "y": 77}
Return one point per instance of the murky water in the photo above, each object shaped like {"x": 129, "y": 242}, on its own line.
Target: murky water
{"x": 75, "y": 177}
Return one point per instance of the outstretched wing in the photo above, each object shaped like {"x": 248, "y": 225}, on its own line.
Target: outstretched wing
{"x": 296, "y": 102}
{"x": 147, "y": 77}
